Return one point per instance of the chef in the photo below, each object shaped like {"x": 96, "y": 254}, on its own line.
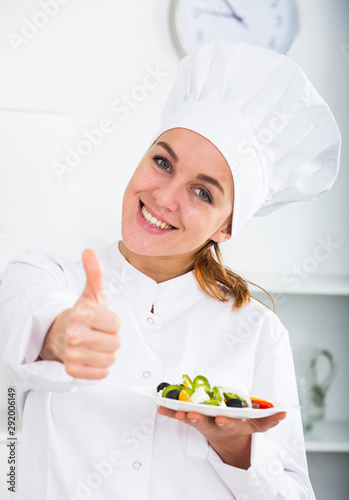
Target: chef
{"x": 243, "y": 132}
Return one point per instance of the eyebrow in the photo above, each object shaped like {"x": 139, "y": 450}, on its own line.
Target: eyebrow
{"x": 168, "y": 149}
{"x": 211, "y": 180}
{"x": 202, "y": 177}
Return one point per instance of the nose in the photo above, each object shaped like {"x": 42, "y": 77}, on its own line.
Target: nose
{"x": 167, "y": 196}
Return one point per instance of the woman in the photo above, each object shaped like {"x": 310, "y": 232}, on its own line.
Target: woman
{"x": 243, "y": 132}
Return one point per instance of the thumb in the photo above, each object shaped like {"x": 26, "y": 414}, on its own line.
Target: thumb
{"x": 94, "y": 277}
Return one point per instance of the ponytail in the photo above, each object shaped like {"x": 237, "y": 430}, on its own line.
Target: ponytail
{"x": 219, "y": 281}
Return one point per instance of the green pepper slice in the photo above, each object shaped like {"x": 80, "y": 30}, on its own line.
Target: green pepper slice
{"x": 178, "y": 387}
{"x": 187, "y": 381}
{"x": 217, "y": 394}
{"x": 201, "y": 381}
{"x": 211, "y": 402}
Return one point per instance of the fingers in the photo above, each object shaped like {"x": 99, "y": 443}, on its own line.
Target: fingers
{"x": 196, "y": 419}
{"x": 273, "y": 420}
{"x": 86, "y": 356}
{"x": 94, "y": 277}
{"x": 97, "y": 340}
{"x": 200, "y": 421}
{"x": 167, "y": 412}
{"x": 250, "y": 425}
{"x": 90, "y": 329}
{"x": 96, "y": 317}
{"x": 90, "y": 354}
{"x": 86, "y": 372}
{"x": 230, "y": 426}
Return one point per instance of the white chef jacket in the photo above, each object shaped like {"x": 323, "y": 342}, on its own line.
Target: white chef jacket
{"x": 84, "y": 439}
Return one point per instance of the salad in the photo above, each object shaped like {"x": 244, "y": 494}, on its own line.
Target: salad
{"x": 200, "y": 391}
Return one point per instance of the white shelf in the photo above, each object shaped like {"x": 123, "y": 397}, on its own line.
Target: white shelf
{"x": 320, "y": 285}
{"x": 328, "y": 437}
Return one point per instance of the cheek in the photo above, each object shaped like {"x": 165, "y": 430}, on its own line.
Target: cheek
{"x": 147, "y": 180}
{"x": 198, "y": 218}
{"x": 204, "y": 220}
{"x": 127, "y": 194}
{"x": 142, "y": 179}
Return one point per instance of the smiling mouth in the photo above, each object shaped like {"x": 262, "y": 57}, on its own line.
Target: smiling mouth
{"x": 153, "y": 221}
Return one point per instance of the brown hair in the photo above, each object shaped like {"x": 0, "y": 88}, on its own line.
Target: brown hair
{"x": 219, "y": 281}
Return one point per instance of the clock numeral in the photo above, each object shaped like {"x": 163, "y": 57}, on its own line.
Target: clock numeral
{"x": 272, "y": 43}
{"x": 278, "y": 22}
{"x": 199, "y": 37}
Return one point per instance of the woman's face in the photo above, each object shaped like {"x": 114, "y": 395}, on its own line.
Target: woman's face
{"x": 179, "y": 197}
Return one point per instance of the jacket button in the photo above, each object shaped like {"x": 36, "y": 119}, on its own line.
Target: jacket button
{"x": 137, "y": 465}
{"x": 150, "y": 320}
{"x": 146, "y": 374}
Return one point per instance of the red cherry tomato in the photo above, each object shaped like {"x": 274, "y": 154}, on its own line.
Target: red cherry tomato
{"x": 262, "y": 403}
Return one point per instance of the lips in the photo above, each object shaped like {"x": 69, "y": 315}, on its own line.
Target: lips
{"x": 154, "y": 219}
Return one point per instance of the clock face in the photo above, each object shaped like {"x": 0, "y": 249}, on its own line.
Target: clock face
{"x": 271, "y": 24}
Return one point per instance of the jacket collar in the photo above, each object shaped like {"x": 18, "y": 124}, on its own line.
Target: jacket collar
{"x": 177, "y": 293}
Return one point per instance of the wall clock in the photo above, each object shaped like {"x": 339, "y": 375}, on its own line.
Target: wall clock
{"x": 271, "y": 24}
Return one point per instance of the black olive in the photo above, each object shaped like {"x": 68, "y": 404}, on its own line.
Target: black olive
{"x": 161, "y": 386}
{"x": 234, "y": 403}
{"x": 173, "y": 394}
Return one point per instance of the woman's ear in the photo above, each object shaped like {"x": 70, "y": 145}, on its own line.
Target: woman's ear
{"x": 223, "y": 233}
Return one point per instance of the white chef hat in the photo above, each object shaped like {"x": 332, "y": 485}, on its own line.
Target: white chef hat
{"x": 259, "y": 109}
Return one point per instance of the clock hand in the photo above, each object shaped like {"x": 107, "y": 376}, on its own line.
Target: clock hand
{"x": 212, "y": 12}
{"x": 234, "y": 14}
{"x": 222, "y": 14}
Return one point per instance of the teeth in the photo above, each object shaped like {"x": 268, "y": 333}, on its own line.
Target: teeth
{"x": 153, "y": 221}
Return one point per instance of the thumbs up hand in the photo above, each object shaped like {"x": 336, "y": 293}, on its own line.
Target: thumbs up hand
{"x": 85, "y": 337}
{"x": 94, "y": 278}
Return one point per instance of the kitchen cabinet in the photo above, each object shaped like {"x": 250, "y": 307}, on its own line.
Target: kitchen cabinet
{"x": 328, "y": 436}
{"x": 318, "y": 315}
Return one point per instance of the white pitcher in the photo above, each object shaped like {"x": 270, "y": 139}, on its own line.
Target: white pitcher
{"x": 311, "y": 391}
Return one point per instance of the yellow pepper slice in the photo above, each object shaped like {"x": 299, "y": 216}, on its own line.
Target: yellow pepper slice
{"x": 184, "y": 396}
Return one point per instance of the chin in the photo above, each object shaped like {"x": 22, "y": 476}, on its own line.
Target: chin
{"x": 135, "y": 247}
{"x": 136, "y": 244}
{"x": 140, "y": 246}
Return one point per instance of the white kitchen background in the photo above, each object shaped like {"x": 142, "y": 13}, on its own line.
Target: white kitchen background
{"x": 68, "y": 77}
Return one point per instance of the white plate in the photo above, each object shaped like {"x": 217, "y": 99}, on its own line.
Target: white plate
{"x": 212, "y": 411}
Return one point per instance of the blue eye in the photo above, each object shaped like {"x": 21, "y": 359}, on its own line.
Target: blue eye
{"x": 204, "y": 195}
{"x": 161, "y": 162}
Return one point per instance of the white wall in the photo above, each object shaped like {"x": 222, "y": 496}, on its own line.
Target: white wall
{"x": 77, "y": 66}
{"x": 286, "y": 237}
{"x": 67, "y": 78}
{"x": 111, "y": 44}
